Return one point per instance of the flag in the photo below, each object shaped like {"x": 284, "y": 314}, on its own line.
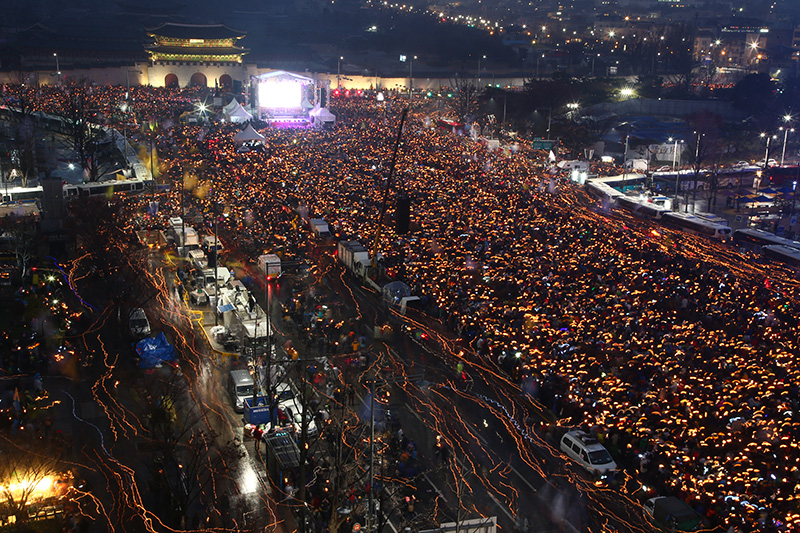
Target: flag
{"x": 552, "y": 156}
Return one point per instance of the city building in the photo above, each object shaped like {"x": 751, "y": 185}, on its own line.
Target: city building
{"x": 194, "y": 54}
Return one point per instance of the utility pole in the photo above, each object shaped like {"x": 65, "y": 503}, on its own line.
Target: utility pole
{"x": 216, "y": 260}
{"x": 625, "y": 163}
{"x": 411, "y": 378}
{"x": 403, "y": 116}
{"x": 411, "y": 78}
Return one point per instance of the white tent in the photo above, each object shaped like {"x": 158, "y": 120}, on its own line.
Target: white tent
{"x": 249, "y": 134}
{"x": 321, "y": 116}
{"x": 231, "y": 106}
{"x": 237, "y": 114}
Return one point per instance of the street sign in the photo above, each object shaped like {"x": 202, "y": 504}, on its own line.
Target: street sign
{"x": 793, "y": 221}
{"x": 543, "y": 144}
{"x": 780, "y": 231}
{"x": 356, "y": 527}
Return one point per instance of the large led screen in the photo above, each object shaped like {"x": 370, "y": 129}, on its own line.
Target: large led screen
{"x": 279, "y": 94}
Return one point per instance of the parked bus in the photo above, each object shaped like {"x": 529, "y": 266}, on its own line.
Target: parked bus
{"x": 602, "y": 191}
{"x": 785, "y": 254}
{"x": 697, "y": 225}
{"x": 755, "y": 239}
{"x": 17, "y": 194}
{"x": 711, "y": 217}
{"x": 642, "y": 208}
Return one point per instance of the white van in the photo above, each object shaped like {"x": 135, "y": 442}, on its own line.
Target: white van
{"x": 589, "y": 453}
{"x": 581, "y": 166}
{"x": 240, "y": 386}
{"x": 138, "y": 324}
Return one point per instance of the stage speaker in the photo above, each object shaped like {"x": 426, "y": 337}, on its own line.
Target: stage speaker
{"x": 402, "y": 214}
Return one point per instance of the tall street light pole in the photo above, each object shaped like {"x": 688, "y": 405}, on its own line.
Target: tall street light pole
{"x": 216, "y": 256}
{"x": 625, "y": 163}
{"x": 339, "y": 72}
{"x": 794, "y": 197}
{"x": 675, "y": 159}
{"x": 766, "y": 153}
{"x": 786, "y": 130}
{"x": 411, "y": 77}
{"x": 696, "y": 172}
{"x": 479, "y": 69}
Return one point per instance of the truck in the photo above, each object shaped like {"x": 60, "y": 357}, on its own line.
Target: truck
{"x": 211, "y": 243}
{"x": 270, "y": 265}
{"x": 197, "y": 259}
{"x": 192, "y": 238}
{"x": 222, "y": 273}
{"x": 257, "y": 414}
{"x": 245, "y": 320}
{"x": 354, "y": 257}
{"x": 581, "y": 166}
{"x": 639, "y": 165}
{"x": 320, "y": 228}
{"x": 152, "y": 238}
{"x": 672, "y": 514}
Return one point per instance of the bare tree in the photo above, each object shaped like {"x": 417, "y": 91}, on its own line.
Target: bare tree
{"x": 23, "y": 155}
{"x": 92, "y": 144}
{"x": 464, "y": 103}
{"x": 25, "y": 461}
{"x": 705, "y": 145}
{"x": 21, "y": 231}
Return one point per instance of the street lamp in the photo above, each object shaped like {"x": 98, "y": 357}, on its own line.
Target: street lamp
{"x": 549, "y": 118}
{"x": 339, "y": 72}
{"x": 479, "y": 69}
{"x": 411, "y": 77}
{"x": 786, "y": 118}
{"x": 676, "y": 159}
{"x": 58, "y": 68}
{"x": 125, "y": 107}
{"x": 769, "y": 139}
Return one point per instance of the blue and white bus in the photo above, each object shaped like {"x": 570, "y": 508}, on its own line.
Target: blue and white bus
{"x": 697, "y": 226}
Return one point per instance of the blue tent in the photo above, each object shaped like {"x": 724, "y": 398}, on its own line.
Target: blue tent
{"x": 154, "y": 351}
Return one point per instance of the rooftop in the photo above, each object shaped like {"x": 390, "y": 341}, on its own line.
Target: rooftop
{"x": 196, "y": 31}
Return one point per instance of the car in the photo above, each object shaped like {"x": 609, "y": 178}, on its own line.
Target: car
{"x": 589, "y": 453}
{"x": 665, "y": 168}
{"x": 283, "y": 393}
{"x": 138, "y": 324}
{"x": 672, "y": 514}
{"x": 770, "y": 163}
{"x": 741, "y": 164}
{"x": 292, "y": 412}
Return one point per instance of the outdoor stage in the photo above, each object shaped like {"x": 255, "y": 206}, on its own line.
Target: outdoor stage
{"x": 287, "y": 100}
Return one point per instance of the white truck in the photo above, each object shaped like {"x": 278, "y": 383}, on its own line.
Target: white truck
{"x": 270, "y": 265}
{"x": 639, "y": 165}
{"x": 212, "y": 243}
{"x": 222, "y": 273}
{"x": 178, "y": 231}
{"x": 197, "y": 259}
{"x": 320, "y": 228}
{"x": 581, "y": 166}
{"x": 245, "y": 320}
{"x": 354, "y": 256}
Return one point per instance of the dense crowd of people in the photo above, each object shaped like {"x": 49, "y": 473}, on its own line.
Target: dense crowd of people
{"x": 678, "y": 353}
{"x": 675, "y": 351}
